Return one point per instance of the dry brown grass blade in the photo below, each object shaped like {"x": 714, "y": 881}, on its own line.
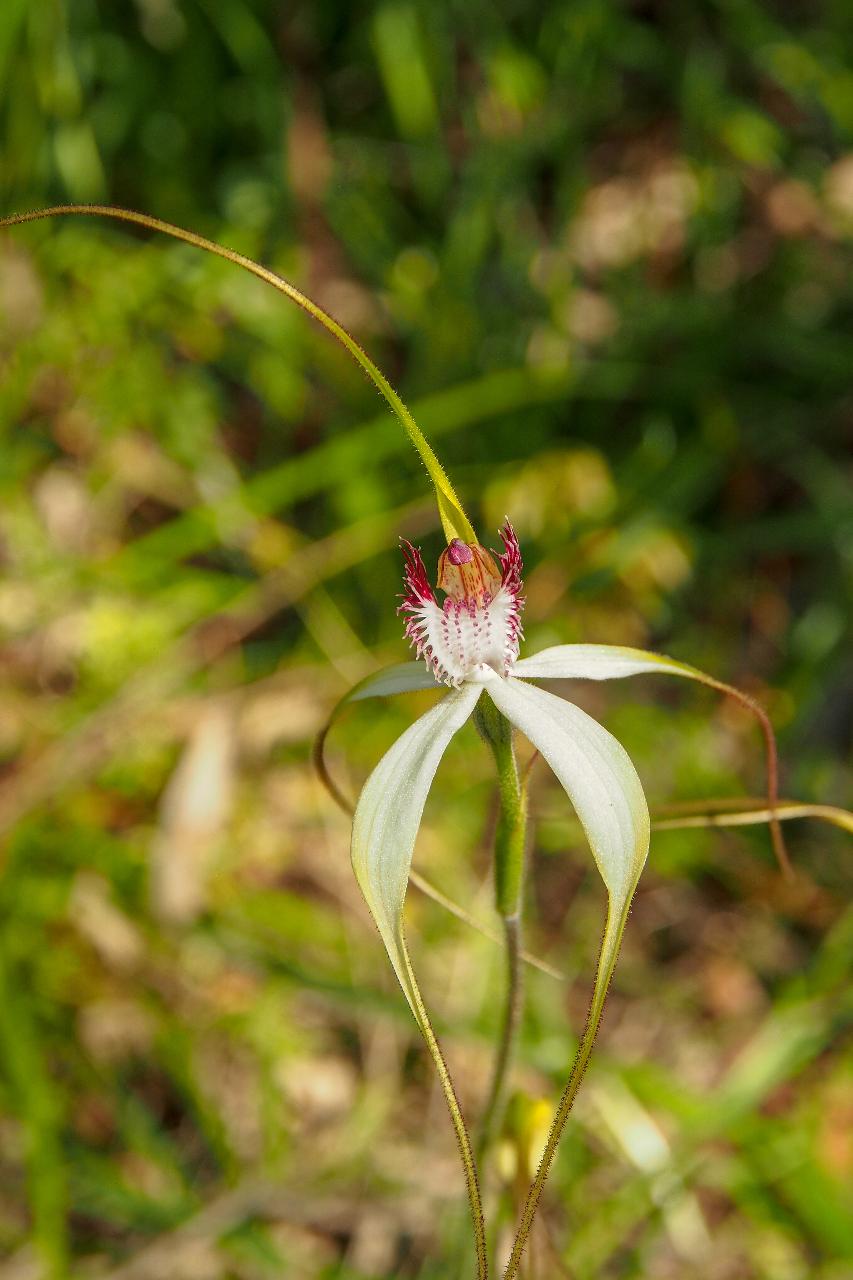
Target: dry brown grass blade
{"x": 717, "y": 813}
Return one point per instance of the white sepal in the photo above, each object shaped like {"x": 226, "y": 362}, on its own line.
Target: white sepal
{"x": 388, "y": 815}
{"x": 613, "y": 662}
{"x": 597, "y": 775}
{"x": 600, "y": 662}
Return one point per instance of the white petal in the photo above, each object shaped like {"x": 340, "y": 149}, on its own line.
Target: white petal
{"x": 388, "y": 816}
{"x": 598, "y": 777}
{"x": 599, "y": 662}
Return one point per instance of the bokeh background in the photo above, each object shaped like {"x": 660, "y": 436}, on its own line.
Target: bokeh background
{"x": 604, "y": 250}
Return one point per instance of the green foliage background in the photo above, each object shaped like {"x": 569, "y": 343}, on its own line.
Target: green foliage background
{"x": 603, "y": 250}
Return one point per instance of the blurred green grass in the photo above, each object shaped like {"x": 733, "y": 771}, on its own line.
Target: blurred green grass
{"x": 604, "y": 252}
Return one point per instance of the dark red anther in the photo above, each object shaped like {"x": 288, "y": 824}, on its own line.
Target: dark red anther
{"x": 458, "y": 552}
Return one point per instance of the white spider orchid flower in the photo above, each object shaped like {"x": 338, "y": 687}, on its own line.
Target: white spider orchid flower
{"x": 470, "y": 642}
